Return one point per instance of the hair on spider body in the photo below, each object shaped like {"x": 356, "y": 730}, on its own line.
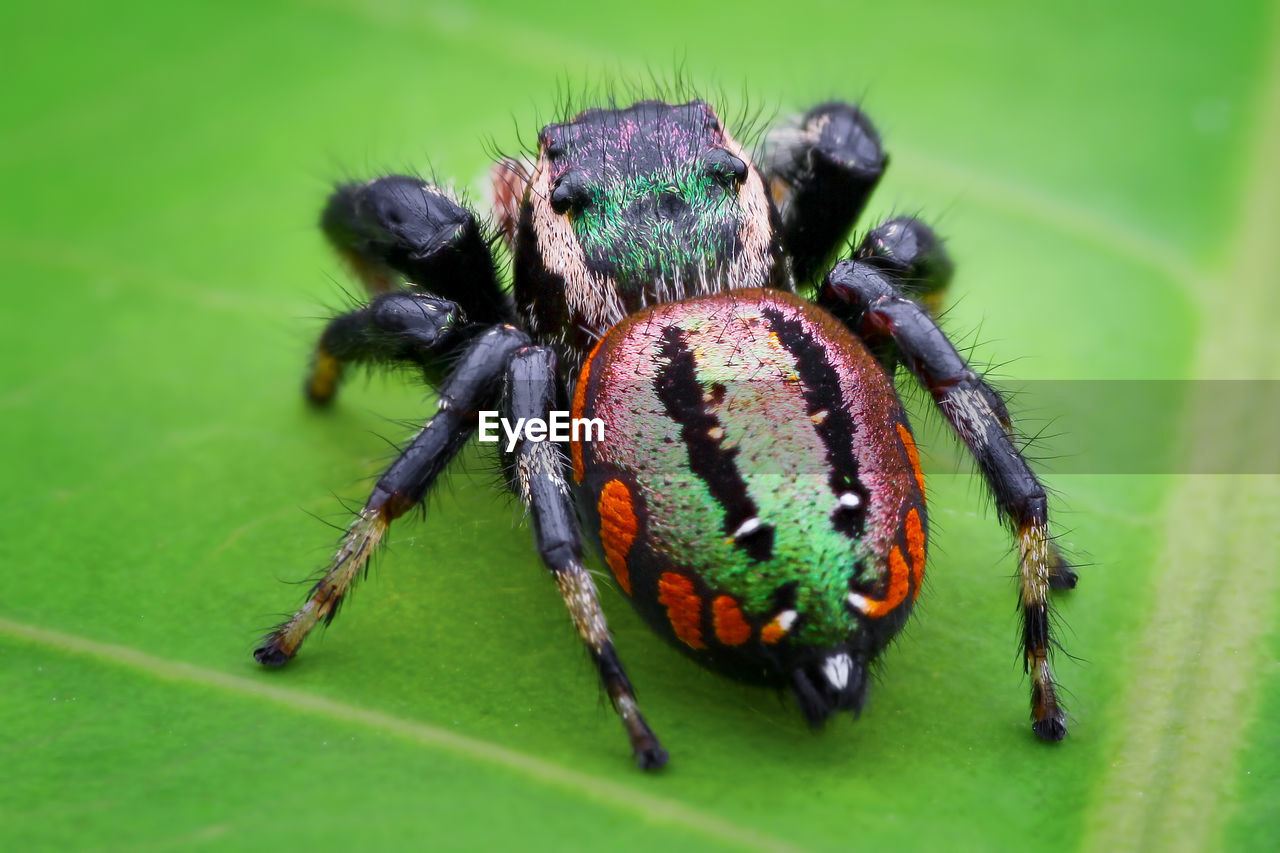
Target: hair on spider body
{"x": 757, "y": 492}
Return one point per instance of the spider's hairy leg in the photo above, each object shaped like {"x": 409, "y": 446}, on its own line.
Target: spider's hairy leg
{"x": 363, "y": 536}
{"x": 473, "y": 384}
{"x": 872, "y": 304}
{"x": 913, "y": 258}
{"x": 539, "y": 477}
{"x": 403, "y": 326}
{"x": 821, "y": 171}
{"x": 912, "y": 255}
{"x": 399, "y": 227}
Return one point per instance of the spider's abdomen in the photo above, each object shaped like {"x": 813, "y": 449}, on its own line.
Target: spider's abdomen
{"x": 756, "y": 491}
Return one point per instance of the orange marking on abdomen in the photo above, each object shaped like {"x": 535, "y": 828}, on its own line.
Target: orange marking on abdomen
{"x": 579, "y": 404}
{"x": 684, "y": 608}
{"x": 773, "y": 632}
{"x": 618, "y": 528}
{"x": 915, "y": 550}
{"x": 731, "y": 627}
{"x": 913, "y": 455}
{"x": 899, "y": 586}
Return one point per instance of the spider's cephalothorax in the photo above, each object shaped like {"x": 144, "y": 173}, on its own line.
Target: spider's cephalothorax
{"x": 626, "y": 208}
{"x": 756, "y": 490}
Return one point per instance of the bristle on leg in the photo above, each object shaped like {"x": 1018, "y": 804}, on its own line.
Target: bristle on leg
{"x": 362, "y": 538}
{"x": 1037, "y": 567}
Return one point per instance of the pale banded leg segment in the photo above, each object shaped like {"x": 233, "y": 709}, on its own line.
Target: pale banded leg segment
{"x": 539, "y": 473}
{"x": 362, "y": 538}
{"x": 867, "y": 298}
{"x": 473, "y": 384}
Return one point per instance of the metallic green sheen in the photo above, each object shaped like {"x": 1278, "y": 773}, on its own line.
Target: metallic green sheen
{"x": 624, "y": 225}
{"x": 780, "y": 456}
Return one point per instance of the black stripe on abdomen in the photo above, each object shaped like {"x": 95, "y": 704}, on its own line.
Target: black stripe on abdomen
{"x": 681, "y": 394}
{"x": 822, "y": 393}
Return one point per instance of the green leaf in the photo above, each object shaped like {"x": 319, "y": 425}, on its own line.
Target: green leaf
{"x": 1108, "y": 181}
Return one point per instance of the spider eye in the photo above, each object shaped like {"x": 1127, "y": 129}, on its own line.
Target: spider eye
{"x": 567, "y": 194}
{"x": 561, "y": 199}
{"x": 725, "y": 167}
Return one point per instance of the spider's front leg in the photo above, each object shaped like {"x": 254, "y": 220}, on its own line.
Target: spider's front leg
{"x": 405, "y": 326}
{"x": 538, "y": 474}
{"x": 821, "y": 171}
{"x": 472, "y": 385}
{"x": 402, "y": 230}
{"x": 868, "y": 298}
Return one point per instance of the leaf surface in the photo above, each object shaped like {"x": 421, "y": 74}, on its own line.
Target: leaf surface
{"x": 1107, "y": 178}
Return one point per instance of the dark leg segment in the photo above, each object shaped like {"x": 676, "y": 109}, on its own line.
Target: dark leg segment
{"x": 820, "y": 174}
{"x": 871, "y": 304}
{"x": 400, "y": 226}
{"x": 405, "y": 326}
{"x": 913, "y": 259}
{"x": 538, "y": 473}
{"x": 473, "y": 385}
{"x": 912, "y": 255}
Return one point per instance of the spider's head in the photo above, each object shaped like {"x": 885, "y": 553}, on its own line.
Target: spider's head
{"x": 655, "y": 197}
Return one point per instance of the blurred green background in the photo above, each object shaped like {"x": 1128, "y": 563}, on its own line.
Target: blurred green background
{"x": 1108, "y": 177}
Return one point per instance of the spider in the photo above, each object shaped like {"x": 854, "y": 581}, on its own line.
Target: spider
{"x": 756, "y": 492}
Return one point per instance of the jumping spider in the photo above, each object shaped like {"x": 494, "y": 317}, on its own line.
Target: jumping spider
{"x": 757, "y": 493}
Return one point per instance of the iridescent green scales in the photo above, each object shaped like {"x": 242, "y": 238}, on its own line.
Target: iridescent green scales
{"x": 669, "y": 224}
{"x": 757, "y": 419}
{"x": 784, "y": 470}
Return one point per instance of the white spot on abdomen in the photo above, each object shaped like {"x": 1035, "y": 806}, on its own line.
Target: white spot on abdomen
{"x": 837, "y": 669}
